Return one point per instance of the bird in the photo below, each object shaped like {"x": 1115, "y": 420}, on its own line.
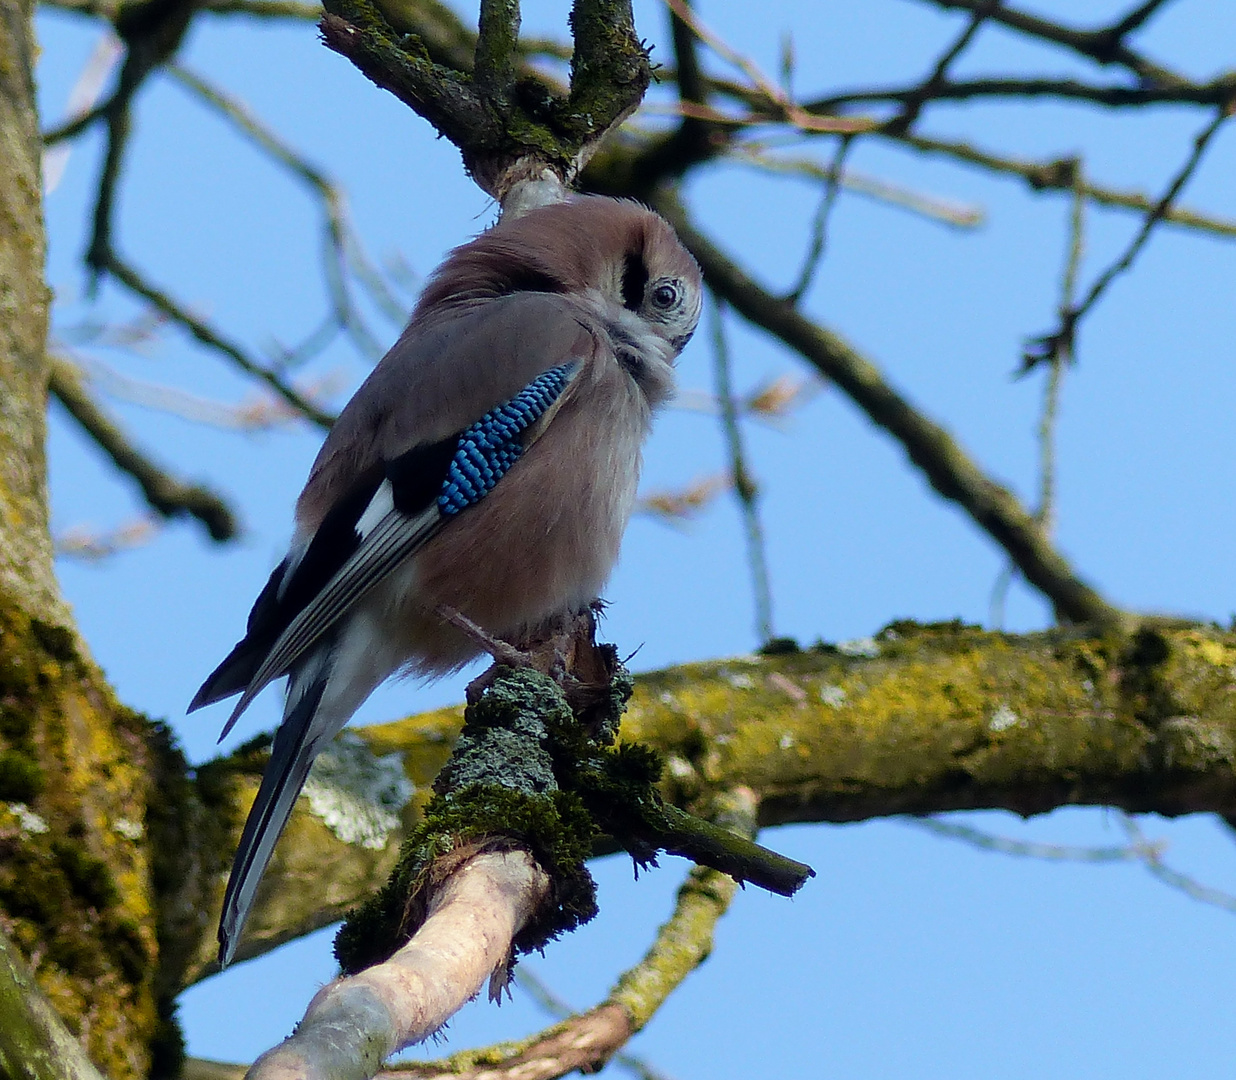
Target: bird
{"x": 487, "y": 467}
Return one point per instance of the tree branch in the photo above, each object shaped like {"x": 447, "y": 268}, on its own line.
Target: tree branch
{"x": 1215, "y": 92}
{"x": 922, "y": 719}
{"x": 166, "y": 495}
{"x": 587, "y": 1041}
{"x": 947, "y": 467}
{"x": 34, "y": 1043}
{"x": 353, "y": 1024}
{"x": 1105, "y": 46}
{"x": 209, "y": 337}
{"x": 1058, "y": 176}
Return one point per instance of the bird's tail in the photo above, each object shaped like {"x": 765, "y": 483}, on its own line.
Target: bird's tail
{"x": 296, "y": 744}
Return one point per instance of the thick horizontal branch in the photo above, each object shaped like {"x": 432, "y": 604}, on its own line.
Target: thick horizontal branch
{"x": 920, "y": 720}
{"x": 945, "y": 464}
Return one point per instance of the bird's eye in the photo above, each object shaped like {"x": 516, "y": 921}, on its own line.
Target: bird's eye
{"x": 665, "y": 296}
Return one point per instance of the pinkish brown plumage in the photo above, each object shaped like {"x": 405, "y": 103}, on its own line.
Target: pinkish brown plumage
{"x": 489, "y": 463}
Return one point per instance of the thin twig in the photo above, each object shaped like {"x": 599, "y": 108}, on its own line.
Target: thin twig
{"x": 912, "y": 106}
{"x": 73, "y": 127}
{"x": 266, "y": 9}
{"x": 560, "y": 1010}
{"x": 746, "y": 491}
{"x": 340, "y": 247}
{"x": 205, "y": 334}
{"x": 1156, "y": 215}
{"x": 1030, "y": 849}
{"x": 1057, "y": 176}
{"x": 1152, "y": 859}
{"x": 947, "y": 467}
{"x": 792, "y": 112}
{"x": 1046, "y": 512}
{"x": 803, "y": 121}
{"x": 1134, "y": 20}
{"x": 1060, "y": 359}
{"x": 931, "y": 207}
{"x": 1115, "y": 95}
{"x": 819, "y": 226}
{"x": 1096, "y": 45}
{"x": 164, "y": 494}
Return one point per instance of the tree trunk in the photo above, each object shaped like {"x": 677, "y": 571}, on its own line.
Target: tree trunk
{"x": 75, "y": 892}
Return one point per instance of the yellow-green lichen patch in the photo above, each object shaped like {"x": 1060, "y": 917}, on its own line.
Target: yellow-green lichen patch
{"x": 74, "y": 889}
{"x": 918, "y": 712}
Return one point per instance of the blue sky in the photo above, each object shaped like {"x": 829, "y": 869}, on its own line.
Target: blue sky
{"x": 908, "y": 955}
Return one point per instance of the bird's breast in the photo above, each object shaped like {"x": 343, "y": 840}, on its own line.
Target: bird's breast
{"x": 543, "y": 541}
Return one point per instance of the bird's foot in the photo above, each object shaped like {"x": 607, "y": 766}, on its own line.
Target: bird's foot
{"x": 503, "y": 652}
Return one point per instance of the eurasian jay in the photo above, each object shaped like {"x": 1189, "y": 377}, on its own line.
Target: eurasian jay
{"x": 488, "y": 465}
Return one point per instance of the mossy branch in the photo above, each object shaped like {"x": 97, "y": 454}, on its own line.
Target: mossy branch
{"x": 711, "y": 846}
{"x": 587, "y": 1041}
{"x": 497, "y": 48}
{"x": 919, "y": 720}
{"x": 164, "y": 493}
{"x": 531, "y": 773}
{"x": 34, "y": 1043}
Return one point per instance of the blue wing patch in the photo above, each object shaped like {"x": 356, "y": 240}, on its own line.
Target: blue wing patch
{"x": 488, "y": 448}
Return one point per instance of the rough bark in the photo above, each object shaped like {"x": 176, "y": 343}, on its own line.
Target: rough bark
{"x": 75, "y": 897}
{"x": 919, "y": 719}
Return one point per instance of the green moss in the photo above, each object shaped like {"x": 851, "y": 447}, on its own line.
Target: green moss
{"x": 21, "y": 777}
{"x": 73, "y": 887}
{"x": 554, "y": 827}
{"x": 527, "y": 772}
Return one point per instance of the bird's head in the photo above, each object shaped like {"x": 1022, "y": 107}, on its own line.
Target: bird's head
{"x": 621, "y": 257}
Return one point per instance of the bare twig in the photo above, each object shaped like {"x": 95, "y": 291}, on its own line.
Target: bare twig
{"x": 1051, "y": 392}
{"x": 1215, "y": 92}
{"x": 745, "y": 488}
{"x": 913, "y": 104}
{"x": 1104, "y": 46}
{"x": 1058, "y": 176}
{"x": 266, "y": 9}
{"x": 929, "y": 206}
{"x": 1062, "y": 356}
{"x": 947, "y": 467}
{"x": 1134, "y": 19}
{"x": 789, "y": 111}
{"x": 81, "y": 542}
{"x": 209, "y": 337}
{"x": 340, "y": 246}
{"x": 678, "y": 507}
{"x": 1029, "y": 849}
{"x": 165, "y": 494}
{"x": 819, "y": 226}
{"x": 1156, "y": 215}
{"x": 1046, "y": 347}
{"x": 560, "y": 1010}
{"x": 1152, "y": 858}
{"x": 260, "y": 412}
